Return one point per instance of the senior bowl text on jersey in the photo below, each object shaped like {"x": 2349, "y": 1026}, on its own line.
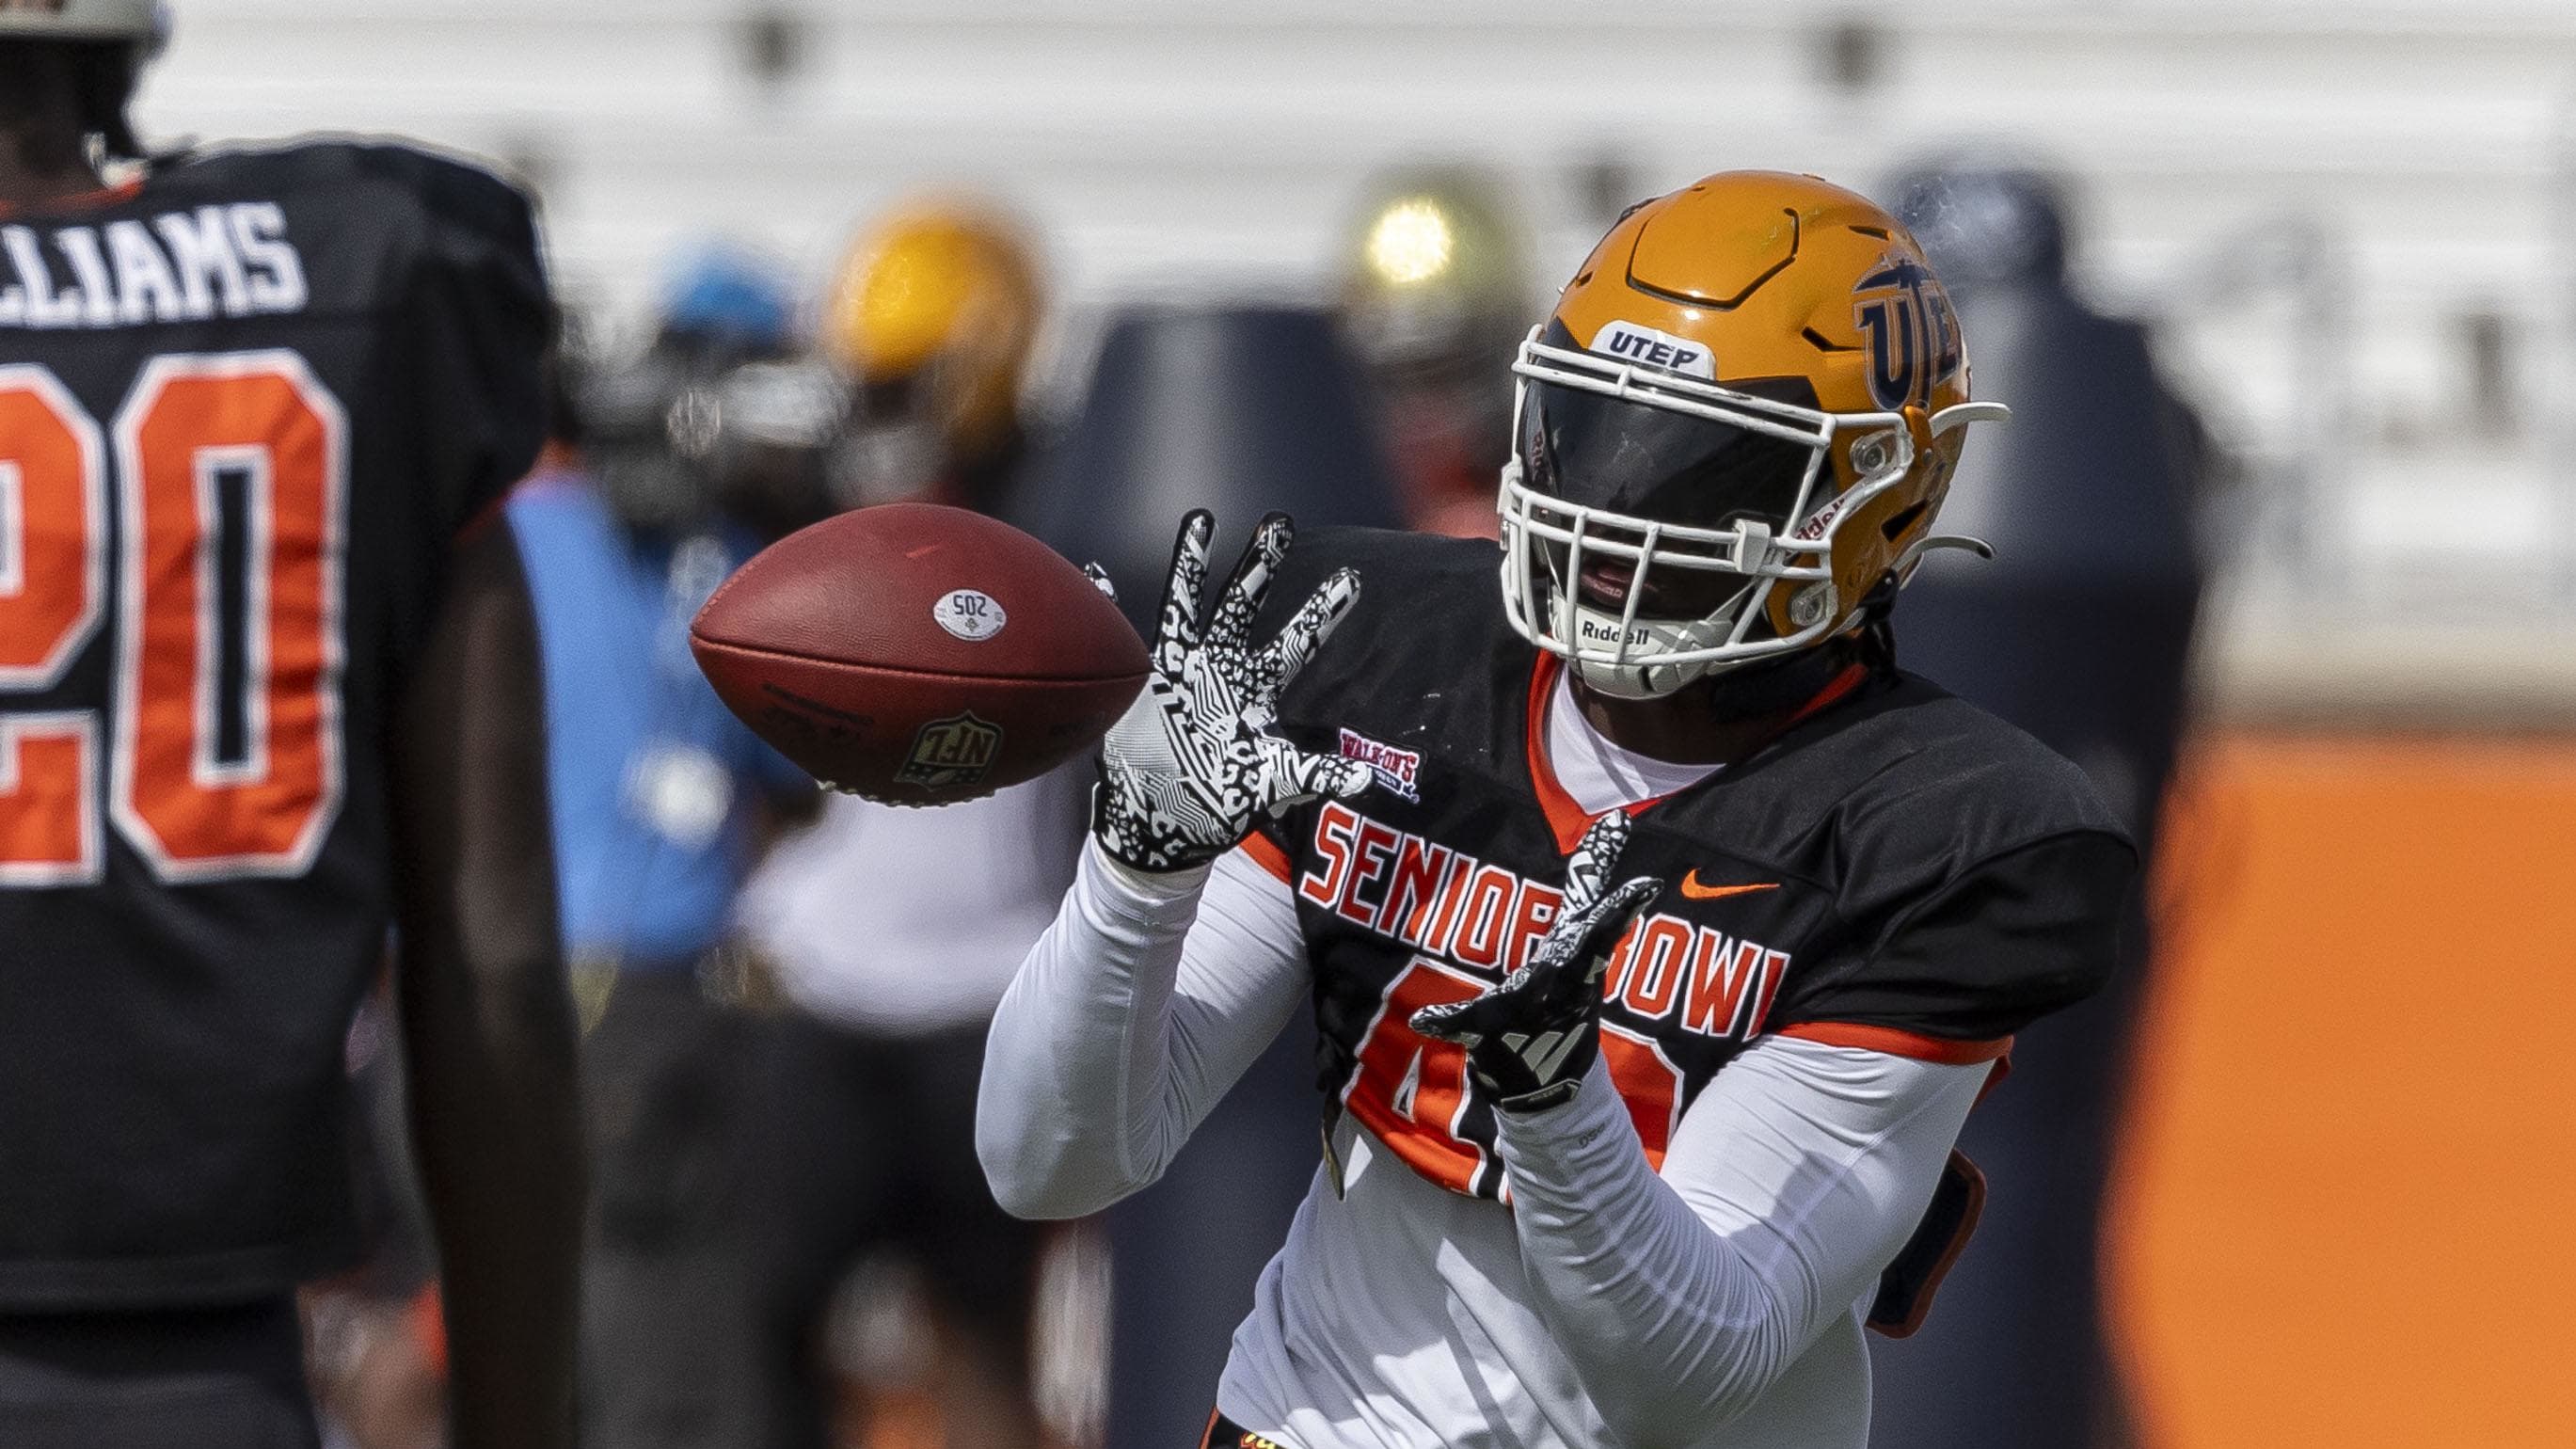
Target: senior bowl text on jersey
{"x": 1773, "y": 921}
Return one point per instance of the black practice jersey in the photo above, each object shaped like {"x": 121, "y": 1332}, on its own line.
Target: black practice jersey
{"x": 1897, "y": 869}
{"x": 245, "y": 408}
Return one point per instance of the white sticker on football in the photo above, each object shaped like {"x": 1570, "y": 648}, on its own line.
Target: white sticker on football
{"x": 969, "y": 614}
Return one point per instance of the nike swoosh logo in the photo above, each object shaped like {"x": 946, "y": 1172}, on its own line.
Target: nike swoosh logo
{"x": 1692, "y": 889}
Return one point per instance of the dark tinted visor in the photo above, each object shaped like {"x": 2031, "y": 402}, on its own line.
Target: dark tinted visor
{"x": 1649, "y": 462}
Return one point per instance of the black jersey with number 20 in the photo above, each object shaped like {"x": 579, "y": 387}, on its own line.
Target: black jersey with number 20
{"x": 245, "y": 408}
{"x": 1897, "y": 870}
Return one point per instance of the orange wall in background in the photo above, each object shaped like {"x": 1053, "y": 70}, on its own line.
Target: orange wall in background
{"x": 2347, "y": 1206}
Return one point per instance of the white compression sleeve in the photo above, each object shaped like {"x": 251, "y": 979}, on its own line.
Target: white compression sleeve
{"x": 1127, "y": 1022}
{"x": 1790, "y": 1184}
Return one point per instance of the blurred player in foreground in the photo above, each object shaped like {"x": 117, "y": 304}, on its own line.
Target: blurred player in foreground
{"x": 1661, "y": 932}
{"x": 893, "y": 932}
{"x": 267, "y": 691}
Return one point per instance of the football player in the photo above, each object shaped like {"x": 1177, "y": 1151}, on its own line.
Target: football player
{"x": 1660, "y": 931}
{"x": 267, "y": 692}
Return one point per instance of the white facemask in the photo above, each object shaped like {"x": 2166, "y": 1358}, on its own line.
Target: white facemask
{"x": 1595, "y": 628}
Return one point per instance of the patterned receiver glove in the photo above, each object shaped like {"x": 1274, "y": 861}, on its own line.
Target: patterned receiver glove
{"x": 1530, "y": 1038}
{"x": 1191, "y": 767}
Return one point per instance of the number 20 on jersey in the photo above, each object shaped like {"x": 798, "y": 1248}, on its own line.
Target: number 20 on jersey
{"x": 206, "y": 520}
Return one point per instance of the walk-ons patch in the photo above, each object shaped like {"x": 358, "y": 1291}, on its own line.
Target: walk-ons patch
{"x": 1397, "y": 770}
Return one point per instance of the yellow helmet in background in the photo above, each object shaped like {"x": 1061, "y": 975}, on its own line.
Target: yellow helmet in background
{"x": 1435, "y": 290}
{"x": 1435, "y": 277}
{"x": 1732, "y": 434}
{"x": 933, "y": 314}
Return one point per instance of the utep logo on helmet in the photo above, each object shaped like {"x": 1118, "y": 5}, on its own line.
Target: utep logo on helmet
{"x": 1396, "y": 769}
{"x": 1913, "y": 335}
{"x": 1630, "y": 342}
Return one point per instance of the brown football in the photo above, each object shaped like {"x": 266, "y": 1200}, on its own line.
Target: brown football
{"x": 917, "y": 654}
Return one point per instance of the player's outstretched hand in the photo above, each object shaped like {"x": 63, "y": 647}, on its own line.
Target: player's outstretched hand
{"x": 1530, "y": 1038}
{"x": 1192, "y": 766}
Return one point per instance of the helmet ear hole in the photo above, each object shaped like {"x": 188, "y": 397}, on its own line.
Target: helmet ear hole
{"x": 1897, "y": 524}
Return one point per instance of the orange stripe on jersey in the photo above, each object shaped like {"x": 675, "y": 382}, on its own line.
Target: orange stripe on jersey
{"x": 1564, "y": 817}
{"x": 1265, "y": 853}
{"x": 426, "y": 1321}
{"x": 1897, "y": 1043}
{"x": 77, "y": 201}
{"x": 1841, "y": 684}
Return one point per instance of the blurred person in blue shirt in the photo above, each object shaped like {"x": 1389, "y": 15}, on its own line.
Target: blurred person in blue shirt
{"x": 690, "y": 456}
{"x": 657, "y": 790}
{"x": 659, "y": 793}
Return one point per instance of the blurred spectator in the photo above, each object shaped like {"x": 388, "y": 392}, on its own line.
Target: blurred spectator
{"x": 1435, "y": 295}
{"x": 2078, "y": 631}
{"x": 722, "y": 424}
{"x": 893, "y": 932}
{"x": 660, "y": 800}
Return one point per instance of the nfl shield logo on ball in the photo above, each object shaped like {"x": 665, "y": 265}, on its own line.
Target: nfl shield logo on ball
{"x": 970, "y": 614}
{"x": 949, "y": 753}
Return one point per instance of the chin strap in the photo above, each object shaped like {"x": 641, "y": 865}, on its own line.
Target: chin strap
{"x": 1586, "y": 625}
{"x": 1784, "y": 686}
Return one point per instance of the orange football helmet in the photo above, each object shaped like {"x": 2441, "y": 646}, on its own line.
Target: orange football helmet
{"x": 933, "y": 315}
{"x": 1732, "y": 433}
